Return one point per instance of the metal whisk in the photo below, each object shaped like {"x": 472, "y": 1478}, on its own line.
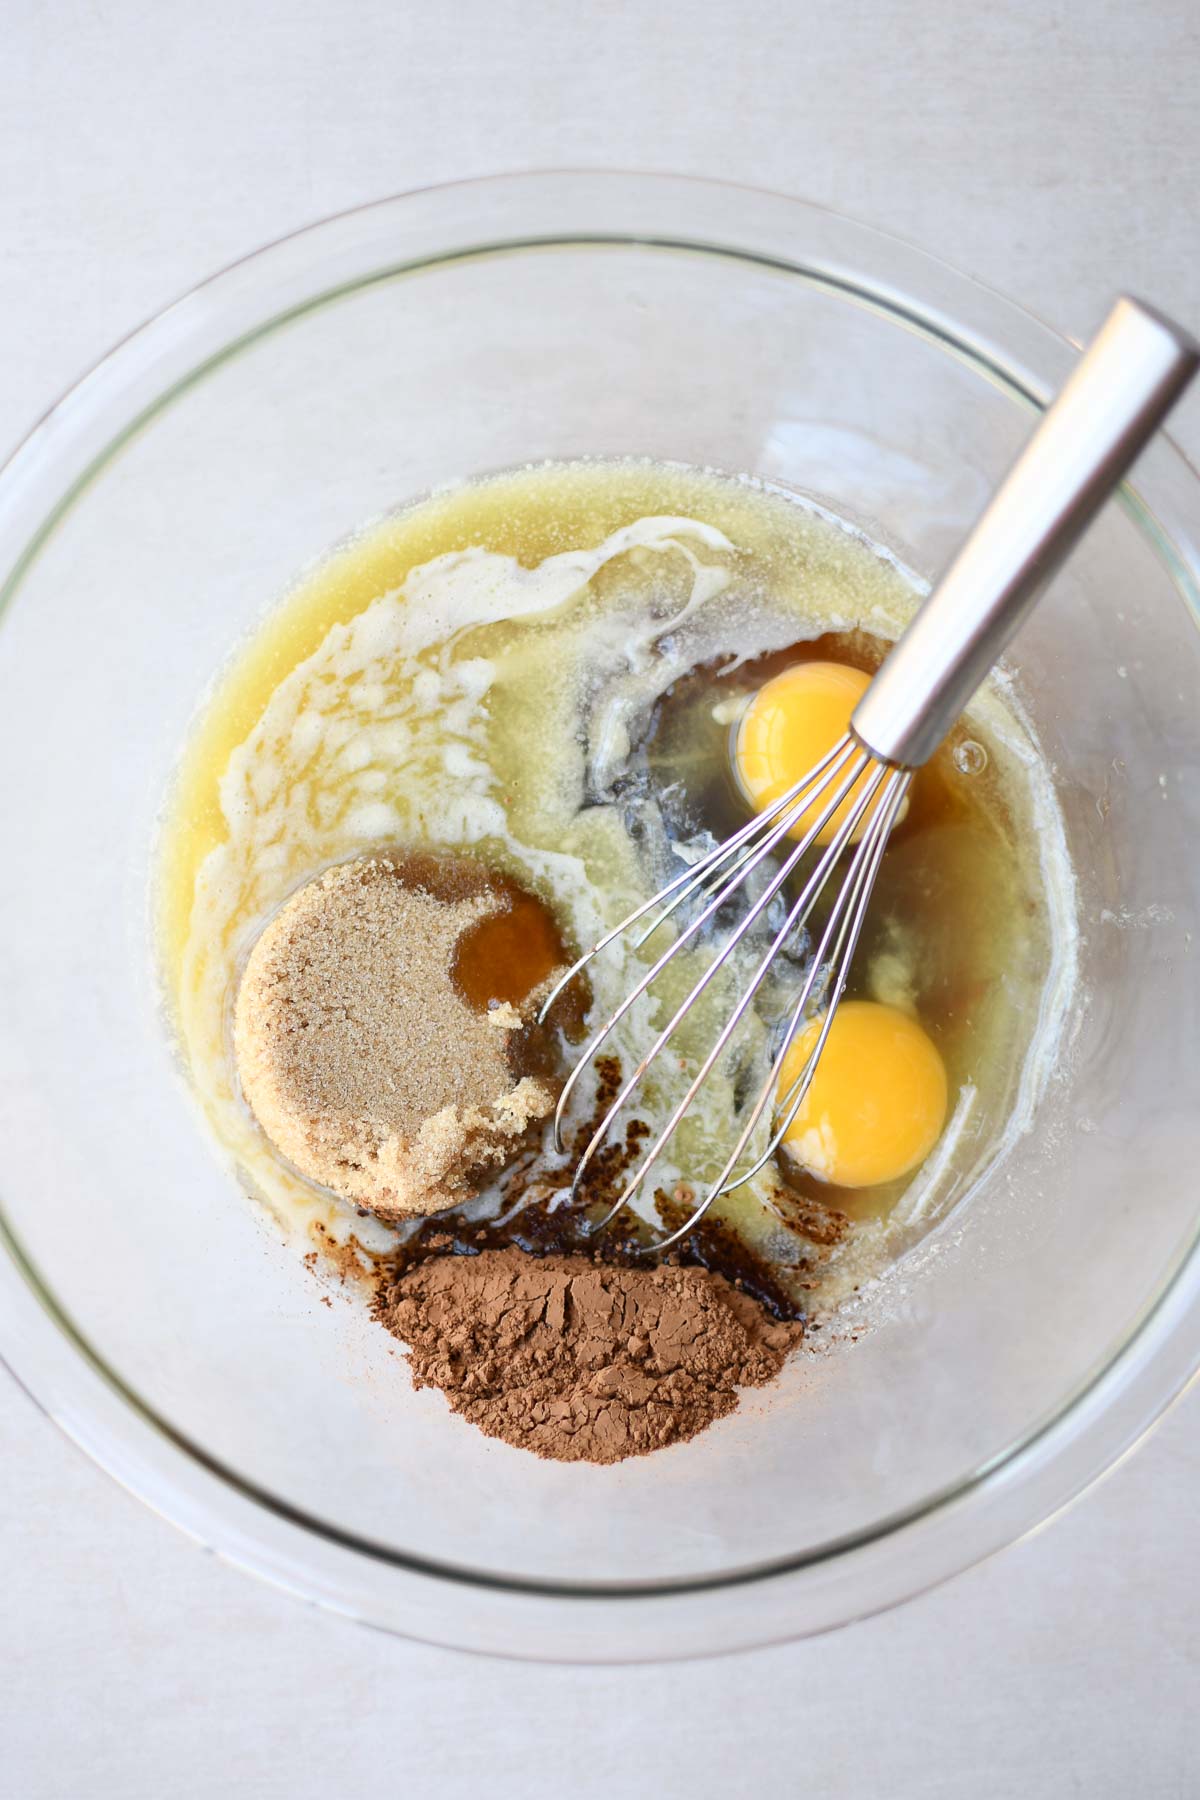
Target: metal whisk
{"x": 1122, "y": 389}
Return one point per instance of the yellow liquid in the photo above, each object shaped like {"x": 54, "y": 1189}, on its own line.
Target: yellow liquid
{"x": 529, "y": 516}
{"x": 352, "y": 718}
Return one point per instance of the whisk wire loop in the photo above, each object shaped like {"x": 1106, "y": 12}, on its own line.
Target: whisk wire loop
{"x": 703, "y": 875}
{"x": 849, "y": 767}
{"x": 855, "y": 893}
{"x": 690, "y": 879}
{"x": 849, "y": 919}
{"x": 795, "y": 918}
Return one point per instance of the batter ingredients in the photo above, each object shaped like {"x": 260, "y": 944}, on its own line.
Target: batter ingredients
{"x": 579, "y": 1361}
{"x": 540, "y": 676}
{"x": 360, "y": 1055}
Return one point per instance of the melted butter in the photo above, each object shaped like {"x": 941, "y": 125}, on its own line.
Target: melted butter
{"x": 476, "y": 676}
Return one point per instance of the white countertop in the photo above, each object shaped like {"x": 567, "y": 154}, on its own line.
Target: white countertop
{"x": 1054, "y": 153}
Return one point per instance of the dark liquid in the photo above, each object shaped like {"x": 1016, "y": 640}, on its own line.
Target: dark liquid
{"x": 507, "y": 955}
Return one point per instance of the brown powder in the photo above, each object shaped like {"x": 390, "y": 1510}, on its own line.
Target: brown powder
{"x": 582, "y": 1361}
{"x": 362, "y": 1060}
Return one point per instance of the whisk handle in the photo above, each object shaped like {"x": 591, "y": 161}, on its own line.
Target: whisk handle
{"x": 1122, "y": 389}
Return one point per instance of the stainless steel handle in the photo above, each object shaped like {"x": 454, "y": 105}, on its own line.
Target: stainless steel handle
{"x": 1125, "y": 385}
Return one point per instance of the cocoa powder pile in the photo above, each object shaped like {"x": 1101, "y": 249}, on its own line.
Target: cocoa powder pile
{"x": 579, "y": 1361}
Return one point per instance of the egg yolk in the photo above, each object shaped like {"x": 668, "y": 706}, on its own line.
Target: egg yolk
{"x": 877, "y": 1102}
{"x": 792, "y": 722}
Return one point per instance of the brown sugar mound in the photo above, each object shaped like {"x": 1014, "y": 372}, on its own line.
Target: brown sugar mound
{"x": 359, "y": 1056}
{"x": 580, "y": 1361}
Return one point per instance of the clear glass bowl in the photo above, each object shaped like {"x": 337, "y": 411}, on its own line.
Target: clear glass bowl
{"x": 145, "y": 525}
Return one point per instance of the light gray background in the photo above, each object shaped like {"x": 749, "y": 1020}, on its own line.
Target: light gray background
{"x": 1050, "y": 149}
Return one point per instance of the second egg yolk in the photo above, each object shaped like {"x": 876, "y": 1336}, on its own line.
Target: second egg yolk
{"x": 877, "y": 1101}
{"x": 792, "y": 722}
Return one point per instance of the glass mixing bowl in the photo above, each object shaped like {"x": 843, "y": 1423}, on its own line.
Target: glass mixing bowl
{"x": 146, "y": 524}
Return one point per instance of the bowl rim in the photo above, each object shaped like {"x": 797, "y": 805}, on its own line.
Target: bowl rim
{"x": 1011, "y": 1493}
